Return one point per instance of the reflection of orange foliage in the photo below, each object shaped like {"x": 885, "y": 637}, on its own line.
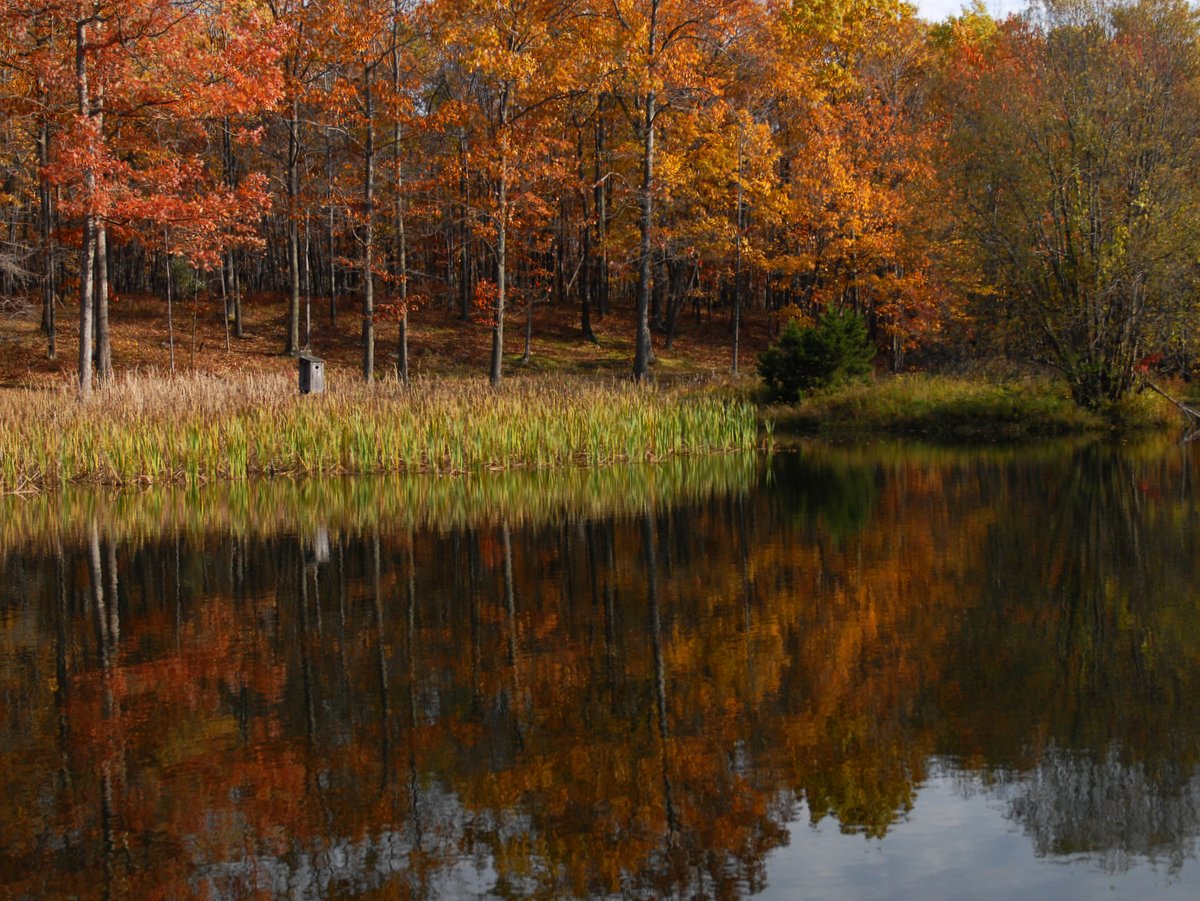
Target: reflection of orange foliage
{"x": 587, "y": 740}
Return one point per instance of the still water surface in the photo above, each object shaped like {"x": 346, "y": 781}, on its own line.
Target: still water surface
{"x": 882, "y": 673}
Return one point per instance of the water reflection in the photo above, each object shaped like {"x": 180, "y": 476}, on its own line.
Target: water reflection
{"x": 355, "y": 688}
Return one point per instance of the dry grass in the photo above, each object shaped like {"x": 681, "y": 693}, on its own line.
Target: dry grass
{"x": 149, "y": 429}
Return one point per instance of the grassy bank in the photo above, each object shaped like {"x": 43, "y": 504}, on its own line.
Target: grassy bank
{"x": 964, "y": 409}
{"x": 200, "y": 428}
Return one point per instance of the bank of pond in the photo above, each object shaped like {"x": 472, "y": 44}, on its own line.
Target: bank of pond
{"x": 196, "y": 429}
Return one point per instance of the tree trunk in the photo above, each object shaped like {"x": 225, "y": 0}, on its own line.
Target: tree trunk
{"x": 235, "y": 278}
{"x": 87, "y": 247}
{"x": 332, "y": 247}
{"x": 643, "y": 352}
{"x": 45, "y": 197}
{"x": 170, "y": 300}
{"x": 368, "y": 301}
{"x": 307, "y": 289}
{"x": 103, "y": 345}
{"x": 737, "y": 262}
{"x": 464, "y": 280}
{"x": 102, "y": 350}
{"x": 401, "y": 237}
{"x": 501, "y": 246}
{"x": 293, "y": 230}
{"x": 601, "y": 189}
{"x": 233, "y": 299}
{"x": 528, "y": 355}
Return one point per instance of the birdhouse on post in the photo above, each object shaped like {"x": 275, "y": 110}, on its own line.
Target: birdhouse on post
{"x": 312, "y": 374}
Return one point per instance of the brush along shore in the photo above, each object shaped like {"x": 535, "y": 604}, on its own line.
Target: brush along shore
{"x": 152, "y": 429}
{"x": 964, "y": 409}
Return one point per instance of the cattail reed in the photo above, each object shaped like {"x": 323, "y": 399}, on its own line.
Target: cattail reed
{"x": 200, "y": 428}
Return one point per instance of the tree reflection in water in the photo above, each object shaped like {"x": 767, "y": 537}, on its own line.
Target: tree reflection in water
{"x": 323, "y": 690}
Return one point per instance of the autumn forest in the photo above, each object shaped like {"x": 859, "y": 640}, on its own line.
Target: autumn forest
{"x": 1024, "y": 188}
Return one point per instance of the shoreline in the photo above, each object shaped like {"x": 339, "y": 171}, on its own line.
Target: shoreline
{"x": 196, "y": 429}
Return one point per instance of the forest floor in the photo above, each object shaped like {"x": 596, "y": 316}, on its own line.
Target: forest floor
{"x": 985, "y": 406}
{"x": 440, "y": 344}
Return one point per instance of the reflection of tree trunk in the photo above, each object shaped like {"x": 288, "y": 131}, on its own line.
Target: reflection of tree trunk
{"x": 341, "y": 570}
{"x": 110, "y": 753}
{"x": 385, "y": 706}
{"x": 460, "y": 591}
{"x": 744, "y": 551}
{"x": 747, "y": 583}
{"x": 510, "y": 610}
{"x": 61, "y": 697}
{"x": 610, "y": 628}
{"x": 509, "y": 601}
{"x": 589, "y": 539}
{"x": 306, "y": 675}
{"x": 96, "y": 576}
{"x": 114, "y": 609}
{"x": 414, "y": 782}
{"x": 660, "y": 670}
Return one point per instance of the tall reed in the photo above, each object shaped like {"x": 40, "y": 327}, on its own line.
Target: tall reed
{"x": 199, "y": 428}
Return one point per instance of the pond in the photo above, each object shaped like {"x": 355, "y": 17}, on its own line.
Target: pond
{"x": 881, "y": 672}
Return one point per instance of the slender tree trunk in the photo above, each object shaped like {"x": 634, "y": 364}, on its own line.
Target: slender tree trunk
{"x": 601, "y": 215}
{"x": 195, "y": 311}
{"x": 293, "y": 230}
{"x": 332, "y": 246}
{"x": 644, "y": 352}
{"x": 585, "y": 299}
{"x": 103, "y": 349}
{"x": 464, "y": 280}
{"x": 87, "y": 249}
{"x": 737, "y": 262}
{"x": 225, "y": 304}
{"x": 45, "y": 197}
{"x": 528, "y": 355}
{"x": 368, "y": 302}
{"x": 501, "y": 246}
{"x": 587, "y": 263}
{"x": 170, "y": 300}
{"x": 233, "y": 300}
{"x": 238, "y": 329}
{"x": 307, "y": 290}
{"x": 401, "y": 237}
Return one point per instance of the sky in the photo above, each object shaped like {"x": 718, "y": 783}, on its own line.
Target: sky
{"x": 936, "y": 10}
